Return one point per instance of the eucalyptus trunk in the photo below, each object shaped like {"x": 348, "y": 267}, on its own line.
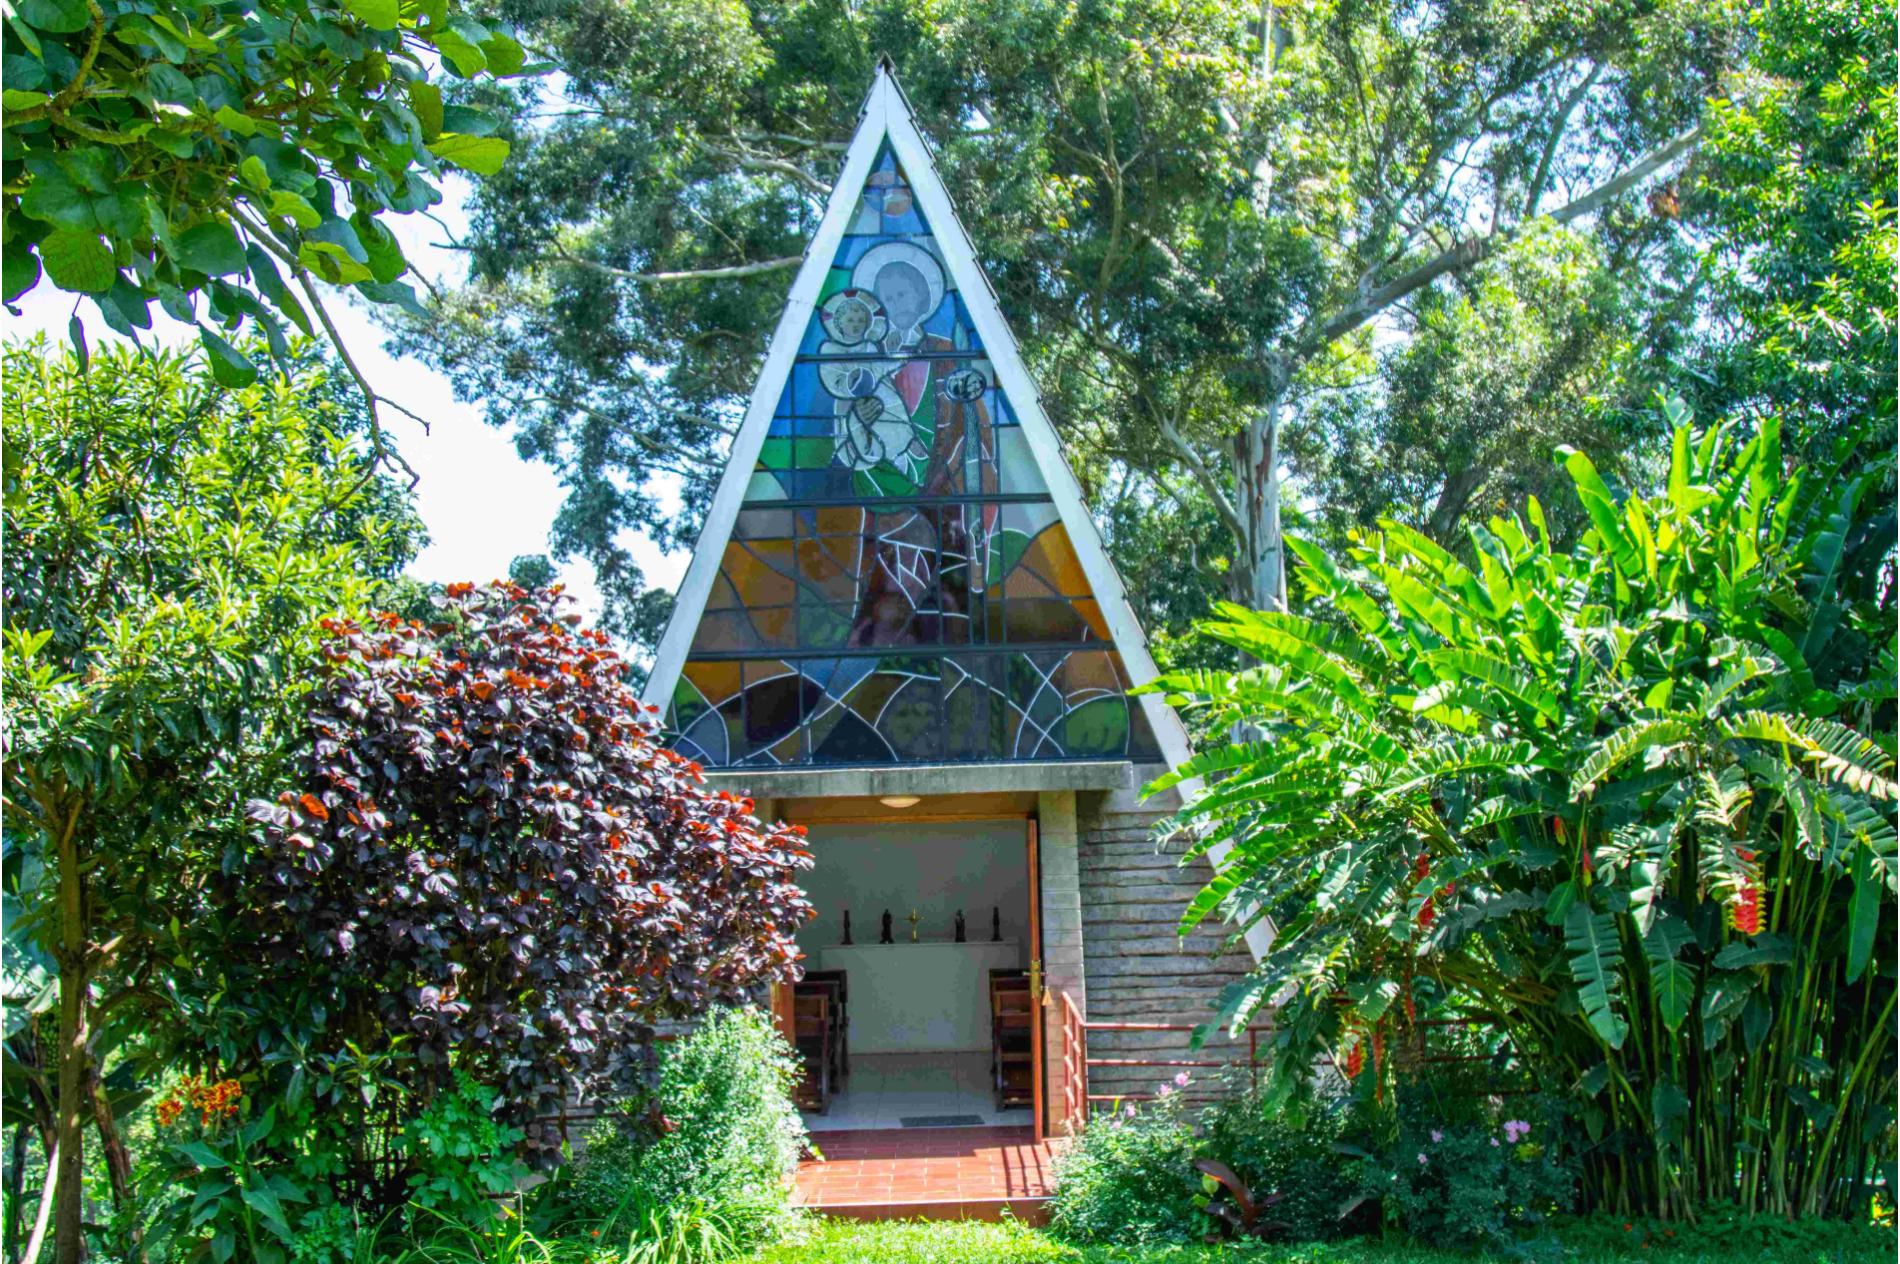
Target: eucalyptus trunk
{"x": 1259, "y": 573}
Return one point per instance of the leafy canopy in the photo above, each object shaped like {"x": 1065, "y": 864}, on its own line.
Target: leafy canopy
{"x": 1798, "y": 195}
{"x": 1633, "y": 803}
{"x": 170, "y": 545}
{"x": 219, "y": 159}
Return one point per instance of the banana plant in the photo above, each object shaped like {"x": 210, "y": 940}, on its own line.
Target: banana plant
{"x": 1632, "y": 802}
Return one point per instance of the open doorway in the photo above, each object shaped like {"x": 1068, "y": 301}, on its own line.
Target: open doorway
{"x": 926, "y": 1030}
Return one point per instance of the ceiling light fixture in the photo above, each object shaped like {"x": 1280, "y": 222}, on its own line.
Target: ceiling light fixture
{"x": 900, "y": 800}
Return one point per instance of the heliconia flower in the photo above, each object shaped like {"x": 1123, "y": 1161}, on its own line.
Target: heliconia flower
{"x": 1355, "y": 1059}
{"x": 1744, "y": 906}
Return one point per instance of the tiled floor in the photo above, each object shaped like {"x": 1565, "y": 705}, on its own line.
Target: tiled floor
{"x": 929, "y": 1173}
{"x": 885, "y": 1089}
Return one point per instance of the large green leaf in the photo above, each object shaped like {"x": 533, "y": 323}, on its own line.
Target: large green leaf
{"x": 482, "y": 155}
{"x": 1625, "y": 744}
{"x": 77, "y": 260}
{"x": 211, "y": 248}
{"x": 1595, "y": 958}
{"x": 1600, "y": 505}
{"x": 1863, "y": 912}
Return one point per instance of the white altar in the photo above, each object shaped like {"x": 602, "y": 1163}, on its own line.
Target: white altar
{"x": 922, "y": 997}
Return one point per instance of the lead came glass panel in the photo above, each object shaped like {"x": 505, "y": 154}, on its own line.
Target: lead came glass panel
{"x": 899, "y": 586}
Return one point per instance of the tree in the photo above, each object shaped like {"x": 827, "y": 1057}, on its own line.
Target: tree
{"x": 1196, "y": 222}
{"x": 179, "y": 152}
{"x": 1631, "y": 803}
{"x": 490, "y": 859}
{"x": 1529, "y": 353}
{"x": 171, "y": 543}
{"x": 1797, "y": 195}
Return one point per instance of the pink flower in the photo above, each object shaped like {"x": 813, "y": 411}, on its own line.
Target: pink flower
{"x": 1422, "y": 1160}
{"x": 1166, "y": 1089}
{"x": 1494, "y": 1142}
{"x": 1181, "y": 1080}
{"x": 1437, "y": 1136}
{"x": 1129, "y": 1110}
{"x": 1515, "y": 1130}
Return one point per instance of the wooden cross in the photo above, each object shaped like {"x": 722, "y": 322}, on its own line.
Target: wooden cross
{"x": 913, "y": 919}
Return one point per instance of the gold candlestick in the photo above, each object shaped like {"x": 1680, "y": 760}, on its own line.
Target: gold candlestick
{"x": 913, "y": 919}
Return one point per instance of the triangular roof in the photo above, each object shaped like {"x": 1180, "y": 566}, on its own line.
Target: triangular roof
{"x": 816, "y": 448}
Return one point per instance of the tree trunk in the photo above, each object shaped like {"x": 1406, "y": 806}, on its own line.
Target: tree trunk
{"x": 113, "y": 1148}
{"x": 73, "y": 1106}
{"x": 16, "y": 1190}
{"x": 1453, "y": 499}
{"x": 1259, "y": 574}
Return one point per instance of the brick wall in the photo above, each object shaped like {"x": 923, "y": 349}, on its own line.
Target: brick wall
{"x": 1133, "y": 890}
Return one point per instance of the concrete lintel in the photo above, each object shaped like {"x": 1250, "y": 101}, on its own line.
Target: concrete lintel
{"x": 925, "y": 779}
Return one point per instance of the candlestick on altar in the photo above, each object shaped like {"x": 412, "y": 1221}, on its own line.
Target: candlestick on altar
{"x": 913, "y": 919}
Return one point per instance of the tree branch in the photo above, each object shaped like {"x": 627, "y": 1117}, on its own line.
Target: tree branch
{"x": 380, "y": 450}
{"x": 1223, "y": 506}
{"x": 1535, "y": 194}
{"x": 778, "y": 166}
{"x": 692, "y": 274}
{"x": 1472, "y": 250}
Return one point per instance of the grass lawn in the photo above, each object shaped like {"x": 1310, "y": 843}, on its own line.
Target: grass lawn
{"x": 840, "y": 1242}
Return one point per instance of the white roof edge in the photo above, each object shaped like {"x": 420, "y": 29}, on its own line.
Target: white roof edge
{"x": 690, "y": 604}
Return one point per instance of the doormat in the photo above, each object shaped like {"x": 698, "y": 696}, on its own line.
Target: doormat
{"x": 940, "y": 1121}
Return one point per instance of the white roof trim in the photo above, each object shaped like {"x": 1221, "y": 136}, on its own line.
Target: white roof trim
{"x": 888, "y": 115}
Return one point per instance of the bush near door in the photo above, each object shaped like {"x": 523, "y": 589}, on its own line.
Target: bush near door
{"x": 718, "y": 1131}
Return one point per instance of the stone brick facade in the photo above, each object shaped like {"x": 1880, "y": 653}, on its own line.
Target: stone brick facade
{"x": 1137, "y": 968}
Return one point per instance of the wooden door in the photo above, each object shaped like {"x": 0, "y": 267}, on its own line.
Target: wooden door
{"x": 782, "y": 1016}
{"x": 1038, "y": 997}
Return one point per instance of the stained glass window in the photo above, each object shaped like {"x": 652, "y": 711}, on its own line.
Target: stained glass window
{"x": 898, "y": 586}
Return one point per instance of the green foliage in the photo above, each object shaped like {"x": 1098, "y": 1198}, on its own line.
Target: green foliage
{"x": 1723, "y": 1233}
{"x": 1798, "y": 194}
{"x": 1129, "y": 1177}
{"x": 1593, "y": 797}
{"x": 460, "y": 1155}
{"x": 192, "y": 154}
{"x": 170, "y": 546}
{"x": 1533, "y": 351}
{"x": 488, "y": 1239}
{"x": 226, "y": 1175}
{"x": 1291, "y": 1152}
{"x": 686, "y": 1232}
{"x": 1484, "y": 1185}
{"x": 717, "y": 1132}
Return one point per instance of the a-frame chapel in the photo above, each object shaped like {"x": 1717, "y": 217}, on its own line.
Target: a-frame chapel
{"x": 900, "y": 629}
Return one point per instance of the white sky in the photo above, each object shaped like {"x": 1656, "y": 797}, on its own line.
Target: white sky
{"x": 483, "y": 504}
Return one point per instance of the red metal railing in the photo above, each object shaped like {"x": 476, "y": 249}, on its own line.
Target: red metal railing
{"x": 1076, "y": 1062}
{"x": 1251, "y": 1061}
{"x": 1075, "y": 1070}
